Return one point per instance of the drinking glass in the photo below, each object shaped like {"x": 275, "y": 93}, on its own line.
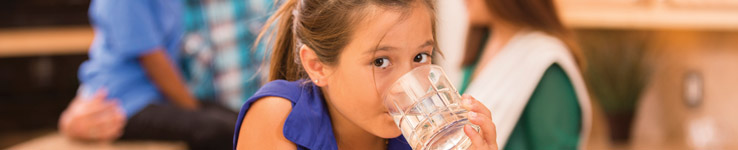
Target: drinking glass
{"x": 427, "y": 109}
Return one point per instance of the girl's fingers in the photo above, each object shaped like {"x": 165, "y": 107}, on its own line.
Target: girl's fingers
{"x": 476, "y": 138}
{"x": 486, "y": 125}
{"x": 480, "y": 115}
{"x": 474, "y": 105}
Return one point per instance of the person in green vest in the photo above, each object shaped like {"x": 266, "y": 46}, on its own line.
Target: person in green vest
{"x": 521, "y": 62}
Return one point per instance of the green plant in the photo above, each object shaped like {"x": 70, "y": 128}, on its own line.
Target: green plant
{"x": 617, "y": 72}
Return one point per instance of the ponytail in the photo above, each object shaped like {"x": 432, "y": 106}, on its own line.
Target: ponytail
{"x": 284, "y": 60}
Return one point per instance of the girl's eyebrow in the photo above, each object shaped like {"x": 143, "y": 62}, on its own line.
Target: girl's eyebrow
{"x": 389, "y": 48}
{"x": 427, "y": 43}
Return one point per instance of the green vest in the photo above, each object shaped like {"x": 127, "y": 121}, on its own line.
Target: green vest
{"x": 551, "y": 119}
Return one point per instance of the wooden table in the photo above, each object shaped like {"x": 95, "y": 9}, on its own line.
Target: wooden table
{"x": 59, "y": 142}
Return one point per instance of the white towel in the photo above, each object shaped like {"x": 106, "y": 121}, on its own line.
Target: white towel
{"x": 506, "y": 84}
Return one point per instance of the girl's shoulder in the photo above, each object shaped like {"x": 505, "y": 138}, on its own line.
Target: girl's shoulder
{"x": 262, "y": 118}
{"x": 262, "y": 125}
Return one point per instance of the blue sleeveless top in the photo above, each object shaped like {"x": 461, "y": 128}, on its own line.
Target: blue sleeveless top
{"x": 308, "y": 125}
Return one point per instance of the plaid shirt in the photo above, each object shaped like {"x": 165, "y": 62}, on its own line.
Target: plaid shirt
{"x": 218, "y": 58}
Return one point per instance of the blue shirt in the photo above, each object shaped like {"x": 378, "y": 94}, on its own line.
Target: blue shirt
{"x": 124, "y": 31}
{"x": 309, "y": 124}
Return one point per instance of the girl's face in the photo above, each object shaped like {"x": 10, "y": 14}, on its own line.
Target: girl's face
{"x": 384, "y": 46}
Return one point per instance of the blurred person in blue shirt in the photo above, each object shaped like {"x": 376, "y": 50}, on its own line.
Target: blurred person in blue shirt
{"x": 132, "y": 86}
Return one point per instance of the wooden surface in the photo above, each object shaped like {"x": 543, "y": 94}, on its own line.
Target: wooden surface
{"x": 650, "y": 14}
{"x": 58, "y": 142}
{"x": 45, "y": 41}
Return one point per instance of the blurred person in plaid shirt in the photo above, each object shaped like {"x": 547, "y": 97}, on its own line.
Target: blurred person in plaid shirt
{"x": 219, "y": 58}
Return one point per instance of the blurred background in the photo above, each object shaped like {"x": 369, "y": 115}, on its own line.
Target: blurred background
{"x": 663, "y": 74}
{"x": 42, "y": 44}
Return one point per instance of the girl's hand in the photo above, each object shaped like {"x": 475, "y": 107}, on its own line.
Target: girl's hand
{"x": 486, "y": 138}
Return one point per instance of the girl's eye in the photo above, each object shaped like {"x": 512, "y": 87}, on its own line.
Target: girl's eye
{"x": 381, "y": 62}
{"x": 421, "y": 58}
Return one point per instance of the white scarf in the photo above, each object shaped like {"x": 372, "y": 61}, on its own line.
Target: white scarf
{"x": 506, "y": 84}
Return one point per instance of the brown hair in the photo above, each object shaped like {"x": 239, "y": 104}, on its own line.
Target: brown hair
{"x": 325, "y": 26}
{"x": 538, "y": 15}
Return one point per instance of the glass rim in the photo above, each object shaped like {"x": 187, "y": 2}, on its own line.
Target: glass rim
{"x": 409, "y": 73}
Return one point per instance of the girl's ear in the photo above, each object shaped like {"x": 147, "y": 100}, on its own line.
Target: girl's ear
{"x": 314, "y": 68}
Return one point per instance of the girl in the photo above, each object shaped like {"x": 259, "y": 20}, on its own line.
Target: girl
{"x": 329, "y": 59}
{"x": 528, "y": 68}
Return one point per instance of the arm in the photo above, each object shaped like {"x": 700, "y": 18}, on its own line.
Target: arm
{"x": 163, "y": 74}
{"x": 262, "y": 126}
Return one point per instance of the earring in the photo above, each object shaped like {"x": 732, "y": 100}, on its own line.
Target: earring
{"x": 316, "y": 81}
